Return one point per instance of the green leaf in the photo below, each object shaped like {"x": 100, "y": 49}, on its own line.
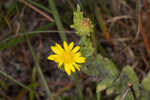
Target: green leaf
{"x": 146, "y": 82}
{"x": 103, "y": 69}
{"x": 127, "y": 76}
{"x": 144, "y": 95}
{"x": 132, "y": 77}
{"x": 103, "y": 85}
{"x": 108, "y": 67}
{"x": 109, "y": 72}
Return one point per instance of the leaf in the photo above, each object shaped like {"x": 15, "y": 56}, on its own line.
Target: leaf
{"x": 132, "y": 77}
{"x": 127, "y": 76}
{"x": 144, "y": 95}
{"x": 103, "y": 69}
{"x": 103, "y": 85}
{"x": 109, "y": 71}
{"x": 91, "y": 66}
{"x": 146, "y": 82}
{"x": 100, "y": 67}
{"x": 108, "y": 66}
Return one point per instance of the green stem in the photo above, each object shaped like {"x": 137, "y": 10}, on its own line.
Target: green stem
{"x": 57, "y": 19}
{"x": 77, "y": 83}
{"x": 39, "y": 70}
{"x": 98, "y": 95}
{"x": 64, "y": 38}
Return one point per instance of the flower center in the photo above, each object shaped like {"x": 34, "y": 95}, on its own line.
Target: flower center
{"x": 67, "y": 57}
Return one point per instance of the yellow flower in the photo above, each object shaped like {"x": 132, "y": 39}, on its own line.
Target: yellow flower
{"x": 69, "y": 56}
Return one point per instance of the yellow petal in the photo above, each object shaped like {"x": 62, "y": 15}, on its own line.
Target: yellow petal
{"x": 59, "y": 47}
{"x": 71, "y": 45}
{"x": 52, "y": 57}
{"x": 80, "y": 60}
{"x": 65, "y": 45}
{"x": 77, "y": 55}
{"x": 60, "y": 64}
{"x": 56, "y": 50}
{"x": 72, "y": 67}
{"x": 76, "y": 49}
{"x": 76, "y": 66}
{"x": 67, "y": 69}
{"x": 55, "y": 58}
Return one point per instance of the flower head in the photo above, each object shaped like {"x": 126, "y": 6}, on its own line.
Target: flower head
{"x": 68, "y": 56}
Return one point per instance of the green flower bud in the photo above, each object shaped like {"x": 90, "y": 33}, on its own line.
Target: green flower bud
{"x": 82, "y": 26}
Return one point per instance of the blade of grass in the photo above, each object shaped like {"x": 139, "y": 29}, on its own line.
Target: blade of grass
{"x": 10, "y": 42}
{"x": 37, "y": 10}
{"x": 103, "y": 4}
{"x": 11, "y": 8}
{"x": 39, "y": 6}
{"x": 57, "y": 19}
{"x": 81, "y": 4}
{"x": 71, "y": 4}
{"x": 102, "y": 24}
{"x": 34, "y": 73}
{"x": 39, "y": 70}
{"x": 15, "y": 39}
{"x": 143, "y": 33}
{"x": 36, "y": 60}
{"x": 46, "y": 27}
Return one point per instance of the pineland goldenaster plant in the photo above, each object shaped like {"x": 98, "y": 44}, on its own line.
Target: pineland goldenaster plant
{"x": 69, "y": 56}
